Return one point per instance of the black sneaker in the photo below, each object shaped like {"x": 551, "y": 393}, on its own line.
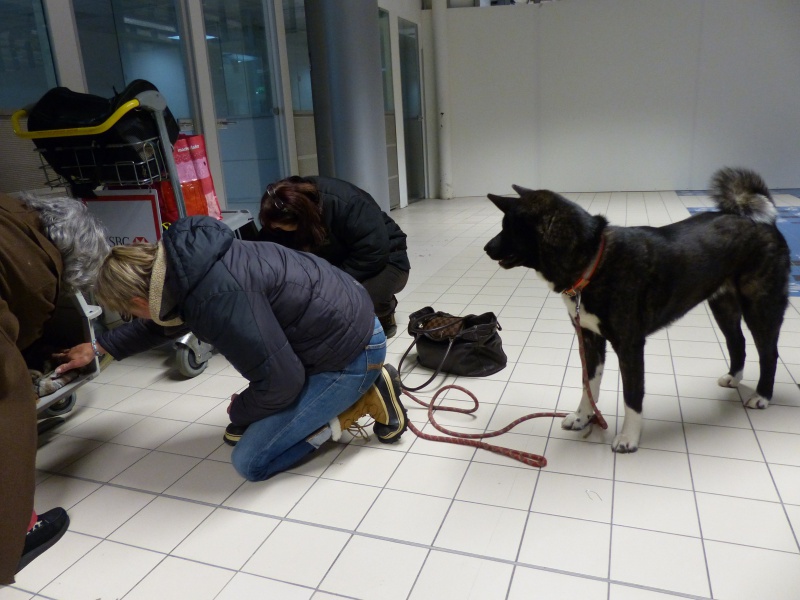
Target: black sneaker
{"x": 50, "y": 527}
{"x": 388, "y": 385}
{"x": 233, "y": 433}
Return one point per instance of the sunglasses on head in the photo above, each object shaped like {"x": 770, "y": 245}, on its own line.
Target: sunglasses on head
{"x": 279, "y": 204}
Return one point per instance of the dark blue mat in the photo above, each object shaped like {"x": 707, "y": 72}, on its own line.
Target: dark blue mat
{"x": 789, "y": 226}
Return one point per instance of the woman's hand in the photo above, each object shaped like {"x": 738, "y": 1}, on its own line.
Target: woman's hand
{"x": 75, "y": 357}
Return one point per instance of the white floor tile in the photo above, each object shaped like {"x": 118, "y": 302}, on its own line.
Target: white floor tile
{"x": 105, "y": 463}
{"x": 106, "y": 509}
{"x": 250, "y": 586}
{"x": 731, "y": 477}
{"x": 149, "y": 433}
{"x": 566, "y": 544}
{"x": 573, "y": 496}
{"x": 447, "y": 575}
{"x": 335, "y": 504}
{"x": 360, "y": 571}
{"x": 659, "y": 560}
{"x": 507, "y": 487}
{"x": 428, "y": 475}
{"x": 747, "y": 522}
{"x": 743, "y": 573}
{"x": 277, "y": 497}
{"x": 61, "y": 491}
{"x": 296, "y": 553}
{"x": 156, "y": 471}
{"x": 181, "y": 579}
{"x": 109, "y": 570}
{"x": 656, "y": 508}
{"x": 537, "y": 583}
{"x": 161, "y": 525}
{"x": 196, "y": 440}
{"x": 194, "y": 485}
{"x": 403, "y": 516}
{"x": 207, "y": 543}
{"x": 363, "y": 464}
{"x": 68, "y": 550}
{"x": 479, "y": 529}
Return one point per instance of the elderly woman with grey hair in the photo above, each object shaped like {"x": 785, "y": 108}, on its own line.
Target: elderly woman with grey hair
{"x": 47, "y": 246}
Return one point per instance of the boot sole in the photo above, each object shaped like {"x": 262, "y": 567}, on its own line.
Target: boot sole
{"x": 399, "y": 409}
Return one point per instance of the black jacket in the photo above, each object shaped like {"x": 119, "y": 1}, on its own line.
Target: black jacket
{"x": 361, "y": 240}
{"x": 277, "y": 315}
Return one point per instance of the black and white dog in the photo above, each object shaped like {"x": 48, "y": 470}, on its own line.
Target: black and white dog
{"x": 632, "y": 281}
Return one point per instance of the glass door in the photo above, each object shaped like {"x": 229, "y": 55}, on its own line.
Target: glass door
{"x": 123, "y": 40}
{"x": 411, "y": 84}
{"x": 248, "y": 130}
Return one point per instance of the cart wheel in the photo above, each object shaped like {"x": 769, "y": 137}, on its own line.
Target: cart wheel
{"x": 187, "y": 365}
{"x": 61, "y": 407}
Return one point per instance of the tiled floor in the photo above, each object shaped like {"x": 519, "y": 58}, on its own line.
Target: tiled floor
{"x": 708, "y": 508}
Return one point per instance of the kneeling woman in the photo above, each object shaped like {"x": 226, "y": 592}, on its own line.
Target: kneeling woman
{"x": 344, "y": 225}
{"x": 302, "y": 332}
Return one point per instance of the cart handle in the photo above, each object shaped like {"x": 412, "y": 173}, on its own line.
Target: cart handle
{"x": 76, "y": 131}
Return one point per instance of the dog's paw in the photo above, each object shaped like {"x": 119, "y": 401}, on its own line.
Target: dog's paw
{"x": 575, "y": 421}
{"x": 730, "y": 381}
{"x": 756, "y": 401}
{"x": 623, "y": 444}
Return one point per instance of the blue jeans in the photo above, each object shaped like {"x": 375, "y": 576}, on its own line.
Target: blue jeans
{"x": 278, "y": 441}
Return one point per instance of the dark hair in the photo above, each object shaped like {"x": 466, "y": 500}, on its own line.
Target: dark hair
{"x": 294, "y": 201}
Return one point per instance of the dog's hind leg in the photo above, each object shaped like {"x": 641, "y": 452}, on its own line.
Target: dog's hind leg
{"x": 631, "y": 369}
{"x": 764, "y": 318}
{"x": 594, "y": 355}
{"x": 728, "y": 313}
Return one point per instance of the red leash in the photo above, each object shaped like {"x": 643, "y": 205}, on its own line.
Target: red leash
{"x": 474, "y": 439}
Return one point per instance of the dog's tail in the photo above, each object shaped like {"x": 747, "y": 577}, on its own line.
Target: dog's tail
{"x": 743, "y": 192}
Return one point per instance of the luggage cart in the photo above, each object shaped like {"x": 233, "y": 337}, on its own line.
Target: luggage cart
{"x": 72, "y": 323}
{"x": 83, "y": 161}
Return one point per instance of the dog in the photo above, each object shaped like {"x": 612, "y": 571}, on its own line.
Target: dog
{"x": 629, "y": 282}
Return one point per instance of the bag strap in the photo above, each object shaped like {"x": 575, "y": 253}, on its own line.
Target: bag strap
{"x": 432, "y": 377}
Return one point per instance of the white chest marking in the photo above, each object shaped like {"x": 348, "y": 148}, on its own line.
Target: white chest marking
{"x": 588, "y": 320}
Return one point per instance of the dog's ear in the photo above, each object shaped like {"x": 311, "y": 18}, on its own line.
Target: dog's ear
{"x": 521, "y": 190}
{"x": 503, "y": 202}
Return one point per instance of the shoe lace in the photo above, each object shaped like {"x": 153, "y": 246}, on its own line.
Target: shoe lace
{"x": 359, "y": 431}
{"x": 37, "y": 525}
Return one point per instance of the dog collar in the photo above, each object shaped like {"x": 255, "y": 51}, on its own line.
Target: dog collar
{"x": 588, "y": 273}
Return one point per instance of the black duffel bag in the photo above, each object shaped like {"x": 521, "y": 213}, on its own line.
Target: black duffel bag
{"x": 469, "y": 346}
{"x": 122, "y": 154}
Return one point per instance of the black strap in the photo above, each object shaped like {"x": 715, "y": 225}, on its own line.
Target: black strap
{"x": 432, "y": 377}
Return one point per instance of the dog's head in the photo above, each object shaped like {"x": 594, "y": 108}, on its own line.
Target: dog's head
{"x": 544, "y": 231}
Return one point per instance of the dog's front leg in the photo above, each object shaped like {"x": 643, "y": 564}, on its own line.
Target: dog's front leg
{"x": 593, "y": 360}
{"x": 631, "y": 368}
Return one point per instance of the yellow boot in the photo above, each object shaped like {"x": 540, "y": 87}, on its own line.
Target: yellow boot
{"x": 382, "y": 403}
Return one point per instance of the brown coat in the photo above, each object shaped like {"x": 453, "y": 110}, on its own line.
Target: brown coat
{"x": 30, "y": 271}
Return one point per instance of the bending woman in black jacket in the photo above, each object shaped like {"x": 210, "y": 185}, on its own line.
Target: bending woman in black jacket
{"x": 299, "y": 330}
{"x": 344, "y": 225}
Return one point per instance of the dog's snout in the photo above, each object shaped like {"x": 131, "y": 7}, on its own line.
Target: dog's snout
{"x": 491, "y": 246}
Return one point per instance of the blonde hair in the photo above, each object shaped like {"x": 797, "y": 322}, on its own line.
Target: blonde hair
{"x": 125, "y": 275}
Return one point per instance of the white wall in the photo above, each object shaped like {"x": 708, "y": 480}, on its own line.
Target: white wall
{"x": 588, "y": 95}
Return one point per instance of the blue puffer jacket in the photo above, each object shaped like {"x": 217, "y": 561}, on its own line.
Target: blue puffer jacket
{"x": 276, "y": 314}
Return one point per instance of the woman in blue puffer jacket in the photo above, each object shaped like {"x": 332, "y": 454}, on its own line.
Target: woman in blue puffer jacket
{"x": 302, "y": 332}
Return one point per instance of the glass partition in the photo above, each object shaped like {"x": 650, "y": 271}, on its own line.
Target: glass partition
{"x": 26, "y": 61}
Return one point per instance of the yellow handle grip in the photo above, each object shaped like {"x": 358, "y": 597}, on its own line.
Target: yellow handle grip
{"x": 53, "y": 133}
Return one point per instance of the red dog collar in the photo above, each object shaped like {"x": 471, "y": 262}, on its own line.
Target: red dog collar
{"x": 588, "y": 273}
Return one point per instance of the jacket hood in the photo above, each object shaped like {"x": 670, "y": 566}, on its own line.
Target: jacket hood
{"x": 193, "y": 246}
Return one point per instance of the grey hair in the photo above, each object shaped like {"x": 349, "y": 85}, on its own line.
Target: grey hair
{"x": 79, "y": 236}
